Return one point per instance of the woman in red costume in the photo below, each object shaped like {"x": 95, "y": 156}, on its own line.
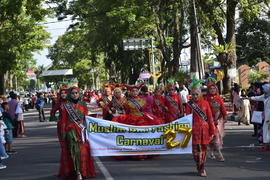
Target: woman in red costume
{"x": 134, "y": 113}
{"x": 116, "y": 106}
{"x": 77, "y": 158}
{"x": 105, "y": 100}
{"x": 203, "y": 127}
{"x": 219, "y": 115}
{"x": 61, "y": 129}
{"x": 173, "y": 103}
{"x": 159, "y": 107}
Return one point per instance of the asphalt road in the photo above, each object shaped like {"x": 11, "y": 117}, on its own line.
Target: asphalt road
{"x": 38, "y": 157}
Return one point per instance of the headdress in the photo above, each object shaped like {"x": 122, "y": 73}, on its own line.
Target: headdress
{"x": 170, "y": 84}
{"x": 195, "y": 84}
{"x": 138, "y": 86}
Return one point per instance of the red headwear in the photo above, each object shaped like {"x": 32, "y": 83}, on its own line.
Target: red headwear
{"x": 130, "y": 87}
{"x": 213, "y": 97}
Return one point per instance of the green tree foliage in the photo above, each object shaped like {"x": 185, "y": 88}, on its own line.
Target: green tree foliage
{"x": 257, "y": 76}
{"x": 253, "y": 42}
{"x": 218, "y": 13}
{"x": 106, "y": 23}
{"x": 20, "y": 33}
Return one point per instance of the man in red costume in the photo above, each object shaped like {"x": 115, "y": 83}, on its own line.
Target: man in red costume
{"x": 174, "y": 104}
{"x": 203, "y": 127}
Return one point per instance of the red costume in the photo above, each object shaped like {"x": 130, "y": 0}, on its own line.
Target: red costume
{"x": 75, "y": 154}
{"x": 135, "y": 116}
{"x": 174, "y": 106}
{"x": 202, "y": 133}
{"x": 218, "y": 113}
{"x": 116, "y": 106}
{"x": 159, "y": 107}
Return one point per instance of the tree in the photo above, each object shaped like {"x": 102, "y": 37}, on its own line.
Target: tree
{"x": 20, "y": 33}
{"x": 107, "y": 22}
{"x": 214, "y": 16}
{"x": 253, "y": 42}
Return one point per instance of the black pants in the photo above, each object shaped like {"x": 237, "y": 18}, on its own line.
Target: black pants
{"x": 15, "y": 128}
{"x": 41, "y": 113}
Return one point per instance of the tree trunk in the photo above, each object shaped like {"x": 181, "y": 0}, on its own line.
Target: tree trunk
{"x": 2, "y": 84}
{"x": 230, "y": 61}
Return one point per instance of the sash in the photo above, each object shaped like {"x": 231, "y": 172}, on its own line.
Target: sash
{"x": 116, "y": 104}
{"x": 198, "y": 110}
{"x": 174, "y": 104}
{"x": 75, "y": 118}
{"x": 106, "y": 99}
{"x": 158, "y": 104}
{"x": 139, "y": 107}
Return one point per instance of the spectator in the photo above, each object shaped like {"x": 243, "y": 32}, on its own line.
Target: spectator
{"x": 3, "y": 153}
{"x": 8, "y": 132}
{"x": 39, "y": 106}
{"x": 12, "y": 104}
{"x": 19, "y": 112}
{"x": 244, "y": 109}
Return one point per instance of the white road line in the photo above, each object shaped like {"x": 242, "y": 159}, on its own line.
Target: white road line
{"x": 103, "y": 169}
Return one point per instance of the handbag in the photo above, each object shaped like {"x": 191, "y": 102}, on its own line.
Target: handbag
{"x": 257, "y": 117}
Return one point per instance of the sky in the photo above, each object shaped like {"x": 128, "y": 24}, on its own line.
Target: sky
{"x": 56, "y": 29}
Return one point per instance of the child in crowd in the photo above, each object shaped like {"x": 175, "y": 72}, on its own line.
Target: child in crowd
{"x": 8, "y": 132}
{"x": 244, "y": 109}
{"x": 3, "y": 154}
{"x": 19, "y": 113}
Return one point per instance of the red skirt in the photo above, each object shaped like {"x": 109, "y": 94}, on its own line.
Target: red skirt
{"x": 145, "y": 120}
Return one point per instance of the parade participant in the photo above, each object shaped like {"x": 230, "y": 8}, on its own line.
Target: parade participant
{"x": 266, "y": 120}
{"x": 116, "y": 106}
{"x": 173, "y": 103}
{"x": 57, "y": 107}
{"x": 94, "y": 109}
{"x": 219, "y": 116}
{"x": 203, "y": 127}
{"x": 78, "y": 159}
{"x": 85, "y": 97}
{"x": 159, "y": 107}
{"x": 134, "y": 113}
{"x": 64, "y": 166}
{"x": 105, "y": 100}
{"x": 148, "y": 99}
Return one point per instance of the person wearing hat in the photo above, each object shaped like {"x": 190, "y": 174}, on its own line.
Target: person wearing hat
{"x": 219, "y": 114}
{"x": 76, "y": 155}
{"x": 105, "y": 100}
{"x": 203, "y": 127}
{"x": 148, "y": 108}
{"x": 173, "y": 103}
{"x": 159, "y": 107}
{"x": 135, "y": 115}
{"x": 116, "y": 106}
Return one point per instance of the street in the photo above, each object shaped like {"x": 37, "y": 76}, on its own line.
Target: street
{"x": 38, "y": 157}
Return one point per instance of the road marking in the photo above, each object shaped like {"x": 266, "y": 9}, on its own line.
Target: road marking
{"x": 103, "y": 169}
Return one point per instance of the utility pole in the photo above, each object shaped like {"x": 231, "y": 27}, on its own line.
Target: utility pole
{"x": 196, "y": 63}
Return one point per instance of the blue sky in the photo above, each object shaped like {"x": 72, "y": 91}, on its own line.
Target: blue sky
{"x": 56, "y": 29}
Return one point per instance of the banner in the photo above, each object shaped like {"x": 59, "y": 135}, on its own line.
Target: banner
{"x": 108, "y": 138}
{"x": 94, "y": 108}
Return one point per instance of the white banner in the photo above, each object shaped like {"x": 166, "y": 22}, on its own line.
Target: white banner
{"x": 108, "y": 138}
